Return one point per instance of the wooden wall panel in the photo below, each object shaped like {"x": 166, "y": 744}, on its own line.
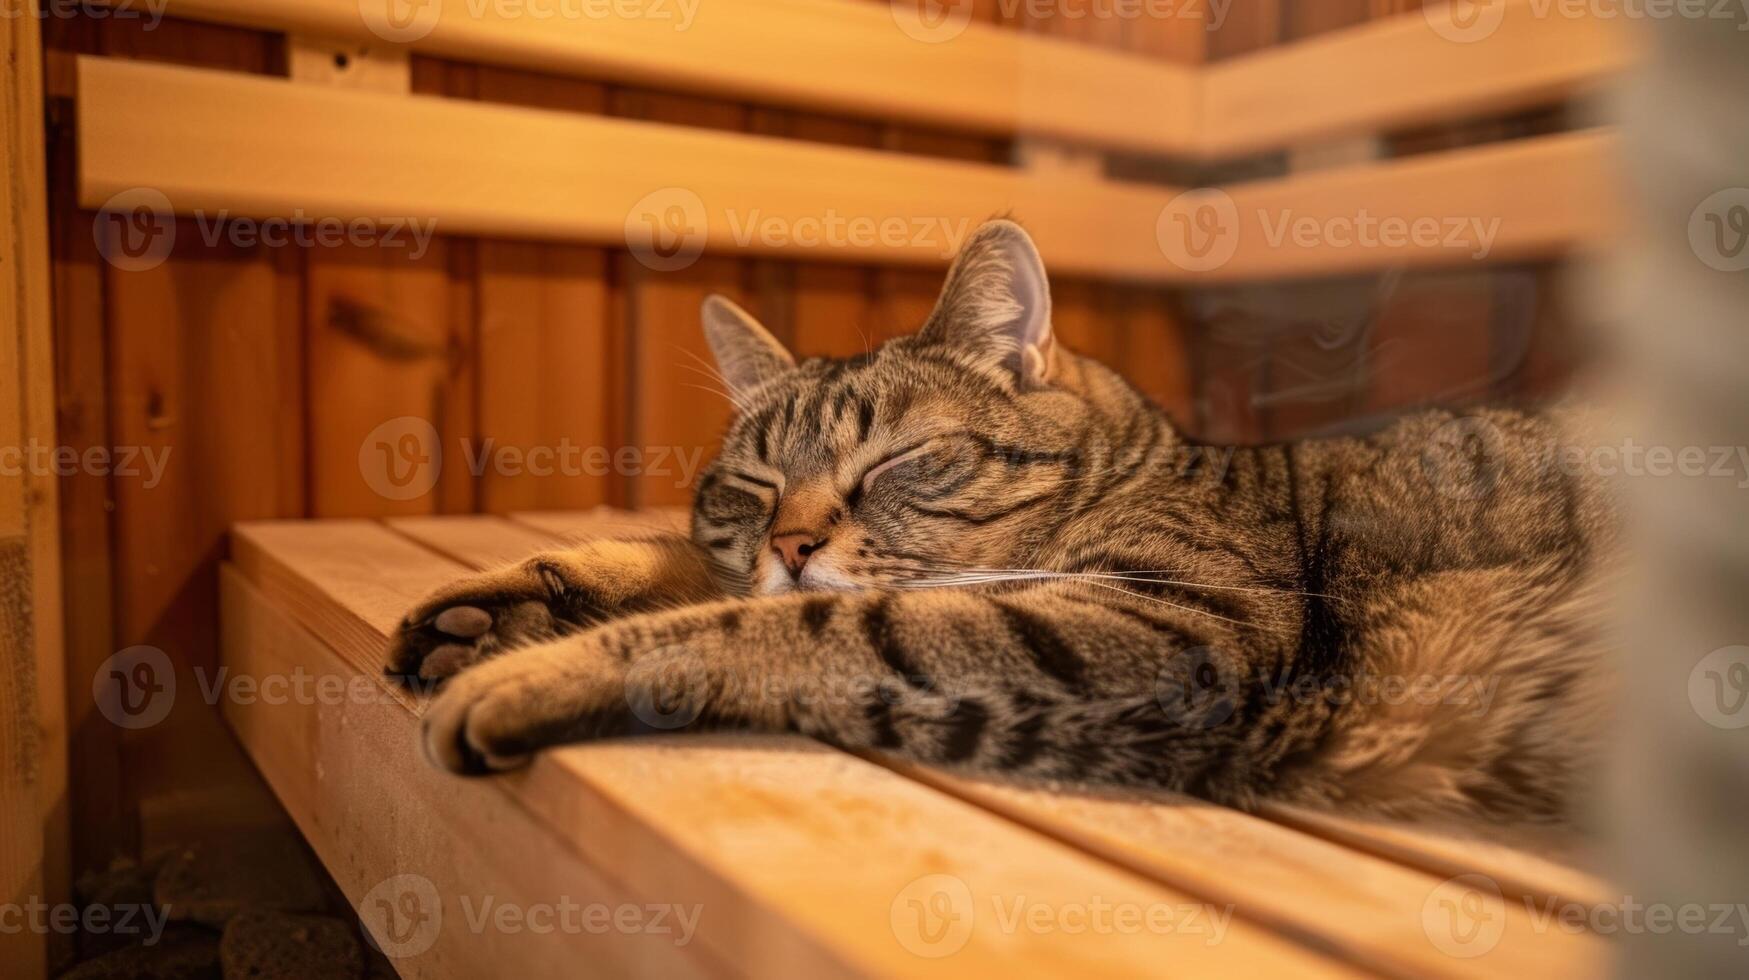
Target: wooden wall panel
{"x": 382, "y": 338}
{"x": 674, "y": 407}
{"x": 831, "y": 309}
{"x": 102, "y": 818}
{"x": 198, "y": 358}
{"x": 33, "y": 762}
{"x": 547, "y": 379}
{"x": 1251, "y": 25}
{"x": 205, "y": 378}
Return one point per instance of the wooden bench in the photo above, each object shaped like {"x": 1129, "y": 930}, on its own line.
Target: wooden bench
{"x": 723, "y": 855}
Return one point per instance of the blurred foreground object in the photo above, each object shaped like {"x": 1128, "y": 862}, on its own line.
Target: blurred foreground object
{"x": 1682, "y": 773}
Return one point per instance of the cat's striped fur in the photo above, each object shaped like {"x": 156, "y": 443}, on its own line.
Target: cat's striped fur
{"x": 1012, "y": 562}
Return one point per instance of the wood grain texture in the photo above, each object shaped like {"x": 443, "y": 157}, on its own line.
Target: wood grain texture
{"x": 1399, "y": 71}
{"x": 104, "y": 825}
{"x": 548, "y": 382}
{"x": 390, "y": 829}
{"x": 263, "y": 148}
{"x": 1526, "y": 199}
{"x": 746, "y": 826}
{"x": 1370, "y": 910}
{"x": 33, "y": 747}
{"x": 838, "y": 56}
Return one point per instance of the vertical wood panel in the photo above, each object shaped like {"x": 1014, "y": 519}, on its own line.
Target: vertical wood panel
{"x": 205, "y": 379}
{"x": 1153, "y": 350}
{"x": 672, "y": 407}
{"x": 32, "y": 738}
{"x": 379, "y": 331}
{"x": 547, "y": 381}
{"x": 104, "y": 825}
{"x": 203, "y": 363}
{"x": 1251, "y": 25}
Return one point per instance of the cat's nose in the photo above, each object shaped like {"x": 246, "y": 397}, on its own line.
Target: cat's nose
{"x": 794, "y": 550}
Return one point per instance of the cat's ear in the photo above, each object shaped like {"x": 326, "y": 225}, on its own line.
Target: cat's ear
{"x": 997, "y": 301}
{"x": 747, "y": 354}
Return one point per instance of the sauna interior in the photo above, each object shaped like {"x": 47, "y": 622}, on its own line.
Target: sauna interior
{"x": 314, "y": 305}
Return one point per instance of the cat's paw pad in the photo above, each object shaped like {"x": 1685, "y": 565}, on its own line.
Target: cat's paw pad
{"x": 446, "y": 636}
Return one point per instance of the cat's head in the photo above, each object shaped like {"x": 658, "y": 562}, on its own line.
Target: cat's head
{"x": 950, "y": 452}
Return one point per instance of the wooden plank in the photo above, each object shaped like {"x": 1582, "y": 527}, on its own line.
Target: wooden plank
{"x": 606, "y": 522}
{"x": 391, "y": 830}
{"x": 1497, "y": 203}
{"x": 1537, "y": 869}
{"x": 677, "y": 408}
{"x": 746, "y": 826}
{"x": 1409, "y": 70}
{"x": 548, "y": 380}
{"x": 265, "y": 148}
{"x": 840, "y": 56}
{"x": 203, "y": 377}
{"x": 104, "y": 824}
{"x": 1372, "y": 911}
{"x": 474, "y": 539}
{"x": 33, "y": 761}
{"x": 390, "y": 391}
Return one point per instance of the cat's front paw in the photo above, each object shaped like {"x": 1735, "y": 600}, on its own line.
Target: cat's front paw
{"x": 478, "y": 617}
{"x": 495, "y": 717}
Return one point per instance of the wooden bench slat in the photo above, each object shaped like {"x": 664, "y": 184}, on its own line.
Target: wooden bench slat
{"x": 605, "y": 522}
{"x": 801, "y": 855}
{"x": 1401, "y": 72}
{"x": 265, "y": 148}
{"x": 350, "y": 773}
{"x": 270, "y": 148}
{"x": 1372, "y": 910}
{"x": 852, "y": 57}
{"x": 1533, "y": 198}
{"x": 830, "y": 55}
{"x": 1527, "y": 867}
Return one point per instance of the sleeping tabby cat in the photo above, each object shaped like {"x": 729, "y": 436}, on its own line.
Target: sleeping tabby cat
{"x": 974, "y": 548}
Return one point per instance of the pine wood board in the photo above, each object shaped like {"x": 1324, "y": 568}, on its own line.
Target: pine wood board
{"x": 747, "y": 827}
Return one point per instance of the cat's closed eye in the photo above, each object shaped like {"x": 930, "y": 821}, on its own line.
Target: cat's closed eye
{"x": 932, "y": 469}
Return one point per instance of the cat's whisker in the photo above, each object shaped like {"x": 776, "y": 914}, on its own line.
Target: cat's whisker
{"x": 1174, "y": 605}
